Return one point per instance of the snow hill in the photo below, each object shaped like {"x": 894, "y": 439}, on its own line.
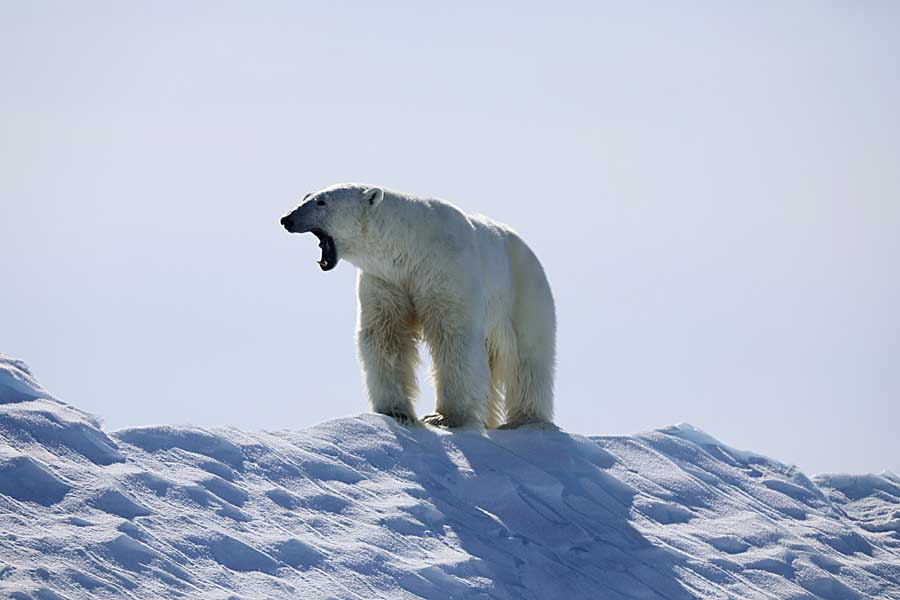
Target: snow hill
{"x": 362, "y": 508}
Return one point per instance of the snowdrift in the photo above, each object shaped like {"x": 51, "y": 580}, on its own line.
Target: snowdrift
{"x": 362, "y": 508}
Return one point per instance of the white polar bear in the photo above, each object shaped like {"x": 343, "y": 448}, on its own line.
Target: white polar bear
{"x": 468, "y": 286}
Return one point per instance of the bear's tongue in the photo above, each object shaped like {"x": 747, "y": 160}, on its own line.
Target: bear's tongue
{"x": 329, "y": 251}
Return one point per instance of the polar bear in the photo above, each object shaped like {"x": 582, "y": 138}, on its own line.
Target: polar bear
{"x": 466, "y": 285}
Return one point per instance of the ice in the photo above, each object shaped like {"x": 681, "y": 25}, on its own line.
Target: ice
{"x": 198, "y": 441}
{"x": 24, "y": 478}
{"x": 17, "y": 384}
{"x": 235, "y": 554}
{"x": 297, "y": 554}
{"x": 59, "y": 430}
{"x": 117, "y": 503}
{"x": 360, "y": 507}
{"x": 30, "y": 416}
{"x": 855, "y": 487}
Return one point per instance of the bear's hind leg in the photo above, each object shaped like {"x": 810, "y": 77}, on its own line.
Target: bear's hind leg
{"x": 529, "y": 394}
{"x": 495, "y": 409}
{"x": 529, "y": 381}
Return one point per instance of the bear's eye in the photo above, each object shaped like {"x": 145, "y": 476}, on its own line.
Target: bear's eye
{"x": 320, "y": 203}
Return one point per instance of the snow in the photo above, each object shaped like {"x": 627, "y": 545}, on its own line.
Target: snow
{"x": 360, "y": 507}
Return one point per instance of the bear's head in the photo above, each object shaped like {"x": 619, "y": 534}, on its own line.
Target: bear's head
{"x": 337, "y": 215}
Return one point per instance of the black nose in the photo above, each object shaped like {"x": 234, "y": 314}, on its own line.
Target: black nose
{"x": 286, "y": 223}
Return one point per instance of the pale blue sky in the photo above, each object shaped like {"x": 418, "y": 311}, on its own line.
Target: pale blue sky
{"x": 713, "y": 188}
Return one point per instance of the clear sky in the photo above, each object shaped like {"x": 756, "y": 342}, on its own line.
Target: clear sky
{"x": 713, "y": 188}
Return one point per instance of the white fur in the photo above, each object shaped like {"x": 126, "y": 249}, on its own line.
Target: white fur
{"x": 468, "y": 286}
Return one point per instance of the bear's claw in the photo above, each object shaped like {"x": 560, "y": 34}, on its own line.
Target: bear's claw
{"x": 402, "y": 418}
{"x": 439, "y": 420}
{"x": 533, "y": 423}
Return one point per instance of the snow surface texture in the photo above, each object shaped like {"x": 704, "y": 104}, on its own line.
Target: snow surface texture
{"x": 362, "y": 508}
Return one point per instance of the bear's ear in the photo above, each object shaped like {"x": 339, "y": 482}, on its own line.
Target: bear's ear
{"x": 374, "y": 195}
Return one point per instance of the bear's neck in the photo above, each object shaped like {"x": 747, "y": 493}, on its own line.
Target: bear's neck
{"x": 384, "y": 247}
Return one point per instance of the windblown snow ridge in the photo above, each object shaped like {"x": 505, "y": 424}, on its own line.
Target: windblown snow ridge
{"x": 361, "y": 508}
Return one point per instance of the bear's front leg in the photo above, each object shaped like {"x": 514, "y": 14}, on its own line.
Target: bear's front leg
{"x": 387, "y": 338}
{"x": 461, "y": 372}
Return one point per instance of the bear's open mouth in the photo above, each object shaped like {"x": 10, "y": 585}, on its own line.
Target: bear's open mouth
{"x": 329, "y": 251}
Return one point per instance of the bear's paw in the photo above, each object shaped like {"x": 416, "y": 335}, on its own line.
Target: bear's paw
{"x": 402, "y": 418}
